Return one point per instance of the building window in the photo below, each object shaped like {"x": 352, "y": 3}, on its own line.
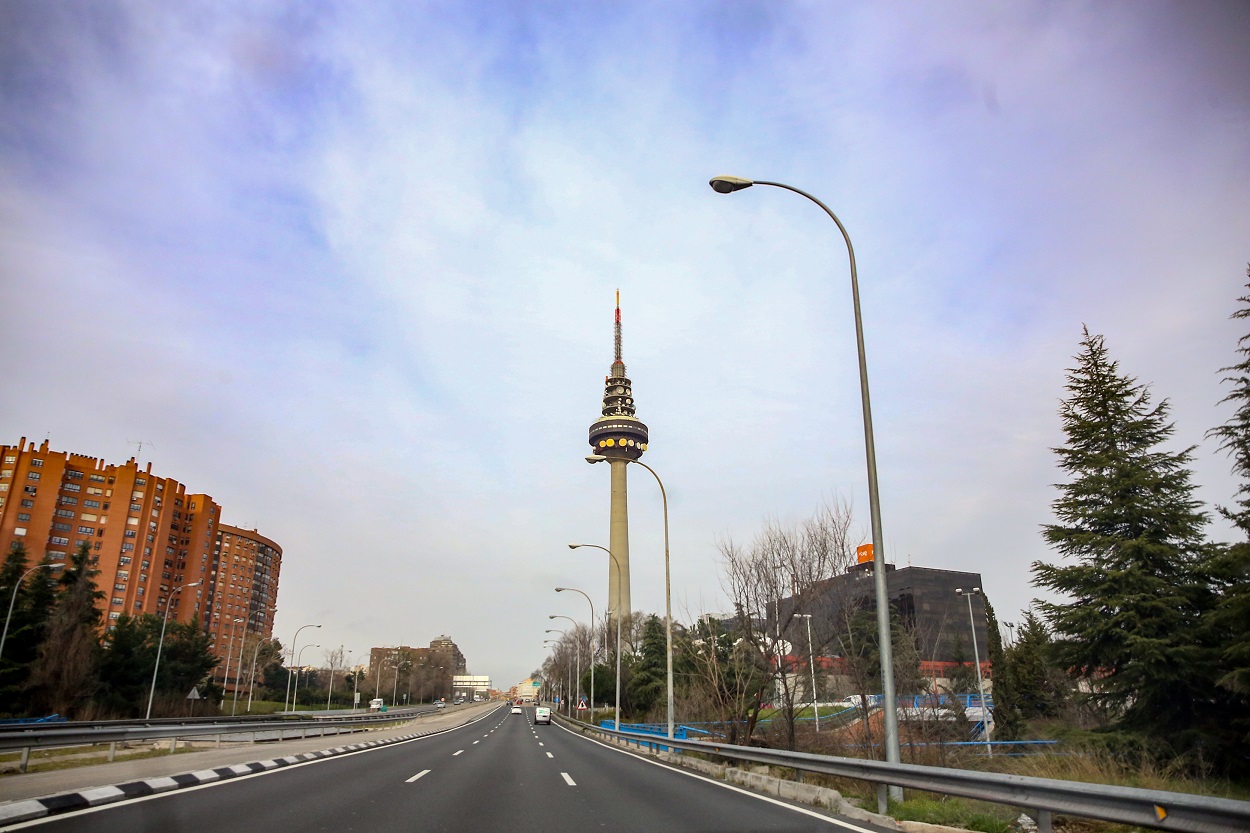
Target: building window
{"x": 119, "y": 588}
{"x": 114, "y": 615}
{"x": 139, "y": 481}
{"x": 55, "y": 555}
{"x": 65, "y": 513}
{"x": 67, "y": 501}
{"x": 55, "y": 539}
{"x": 96, "y": 478}
{"x": 86, "y": 530}
{"x": 30, "y": 490}
{"x": 21, "y": 530}
{"x": 60, "y": 527}
{"x": 32, "y": 475}
{"x": 124, "y": 575}
{"x": 130, "y": 533}
{"x": 135, "y": 507}
{"x": 29, "y": 504}
{"x": 74, "y": 475}
{"x": 118, "y": 601}
{"x": 23, "y": 516}
{"x": 91, "y": 504}
{"x": 128, "y": 547}
{"x": 36, "y": 463}
{"x": 71, "y": 487}
{"x": 10, "y": 459}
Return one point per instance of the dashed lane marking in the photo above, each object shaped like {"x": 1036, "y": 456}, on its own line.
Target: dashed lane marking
{"x": 568, "y": 780}
{"x": 549, "y": 755}
{"x": 476, "y": 742}
{"x": 457, "y": 752}
{"x": 420, "y": 774}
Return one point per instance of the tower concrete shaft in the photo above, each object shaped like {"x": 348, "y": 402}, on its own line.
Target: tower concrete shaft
{"x": 618, "y": 542}
{"x": 619, "y": 436}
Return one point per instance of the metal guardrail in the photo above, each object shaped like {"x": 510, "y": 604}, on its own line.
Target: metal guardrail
{"x": 1039, "y": 797}
{"x": 112, "y": 732}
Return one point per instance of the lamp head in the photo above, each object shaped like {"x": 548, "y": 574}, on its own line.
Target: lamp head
{"x": 561, "y": 589}
{"x": 729, "y": 184}
{"x": 595, "y": 458}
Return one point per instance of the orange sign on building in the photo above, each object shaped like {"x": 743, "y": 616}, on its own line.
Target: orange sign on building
{"x": 863, "y": 553}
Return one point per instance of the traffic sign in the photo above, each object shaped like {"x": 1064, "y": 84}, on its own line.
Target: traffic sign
{"x": 581, "y": 705}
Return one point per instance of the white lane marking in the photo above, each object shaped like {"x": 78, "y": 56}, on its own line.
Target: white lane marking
{"x": 418, "y": 775}
{"x": 549, "y": 755}
{"x": 457, "y": 752}
{"x": 540, "y": 743}
{"x": 476, "y": 742}
{"x": 568, "y": 780}
{"x": 680, "y": 771}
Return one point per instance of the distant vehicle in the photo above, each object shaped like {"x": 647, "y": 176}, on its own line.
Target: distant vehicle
{"x": 459, "y": 701}
{"x": 542, "y": 714}
{"x": 440, "y": 705}
{"x": 377, "y": 705}
{"x": 517, "y": 710}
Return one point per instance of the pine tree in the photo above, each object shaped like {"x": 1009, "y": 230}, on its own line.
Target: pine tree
{"x": 1128, "y": 520}
{"x": 63, "y": 676}
{"x": 649, "y": 678}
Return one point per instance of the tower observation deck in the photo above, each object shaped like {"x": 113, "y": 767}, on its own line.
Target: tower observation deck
{"x": 619, "y": 436}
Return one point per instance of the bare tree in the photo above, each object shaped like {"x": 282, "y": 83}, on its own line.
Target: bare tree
{"x": 779, "y": 578}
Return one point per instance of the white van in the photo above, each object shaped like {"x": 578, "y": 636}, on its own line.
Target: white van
{"x": 376, "y": 704}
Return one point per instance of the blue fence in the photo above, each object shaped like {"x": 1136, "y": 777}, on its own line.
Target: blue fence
{"x": 26, "y": 721}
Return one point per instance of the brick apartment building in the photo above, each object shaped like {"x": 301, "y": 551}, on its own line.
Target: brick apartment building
{"x": 148, "y": 536}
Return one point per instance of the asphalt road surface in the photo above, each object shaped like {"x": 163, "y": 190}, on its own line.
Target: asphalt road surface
{"x": 500, "y": 773}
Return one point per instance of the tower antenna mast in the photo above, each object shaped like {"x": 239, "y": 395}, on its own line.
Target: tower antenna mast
{"x": 141, "y": 444}
{"x": 618, "y": 328}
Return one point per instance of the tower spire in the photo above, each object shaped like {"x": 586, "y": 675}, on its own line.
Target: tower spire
{"x": 618, "y": 338}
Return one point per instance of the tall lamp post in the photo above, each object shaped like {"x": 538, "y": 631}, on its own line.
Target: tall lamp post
{"x": 13, "y": 600}
{"x": 251, "y": 679}
{"x": 577, "y": 647}
{"x": 668, "y": 595}
{"x": 559, "y": 684}
{"x": 976, "y": 656}
{"x": 811, "y": 662}
{"x": 286, "y": 706}
{"x": 593, "y": 640}
{"x": 225, "y": 681}
{"x": 727, "y": 185}
{"x": 617, "y": 565}
{"x": 161, "y": 643}
{"x": 298, "y": 665}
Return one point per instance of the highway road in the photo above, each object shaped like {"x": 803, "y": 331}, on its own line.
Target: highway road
{"x": 498, "y": 773}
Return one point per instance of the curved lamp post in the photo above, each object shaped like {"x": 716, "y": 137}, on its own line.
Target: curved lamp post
{"x": 161, "y": 643}
{"x": 556, "y": 643}
{"x": 727, "y": 185}
{"x": 811, "y": 661}
{"x": 976, "y": 656}
{"x": 668, "y": 595}
{"x": 225, "y": 680}
{"x": 13, "y": 600}
{"x": 299, "y": 664}
{"x": 617, "y": 565}
{"x": 286, "y": 706}
{"x": 577, "y": 647}
{"x": 592, "y": 645}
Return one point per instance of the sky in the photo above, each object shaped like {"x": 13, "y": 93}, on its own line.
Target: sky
{"x": 349, "y": 268}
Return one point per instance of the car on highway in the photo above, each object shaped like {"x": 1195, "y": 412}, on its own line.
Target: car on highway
{"x": 542, "y": 714}
{"x": 440, "y": 705}
{"x": 517, "y": 710}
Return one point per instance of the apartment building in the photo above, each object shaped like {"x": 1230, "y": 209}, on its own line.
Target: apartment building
{"x": 150, "y": 540}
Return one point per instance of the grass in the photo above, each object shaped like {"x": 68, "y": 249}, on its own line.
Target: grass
{"x": 956, "y": 812}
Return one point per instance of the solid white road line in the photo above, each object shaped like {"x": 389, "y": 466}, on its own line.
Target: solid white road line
{"x": 418, "y": 775}
{"x": 568, "y": 780}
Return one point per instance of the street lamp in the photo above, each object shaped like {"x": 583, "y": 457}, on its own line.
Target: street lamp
{"x": 668, "y": 596}
{"x": 976, "y": 656}
{"x": 811, "y": 660}
{"x": 285, "y": 705}
{"x": 727, "y": 185}
{"x": 617, "y": 565}
{"x": 161, "y": 643}
{"x": 251, "y": 679}
{"x": 593, "y": 640}
{"x": 577, "y": 646}
{"x": 13, "y": 600}
{"x": 225, "y": 681}
{"x": 299, "y": 663}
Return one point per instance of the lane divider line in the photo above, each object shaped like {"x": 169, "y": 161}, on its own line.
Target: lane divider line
{"x": 568, "y": 780}
{"x": 418, "y": 775}
{"x": 549, "y": 755}
{"x": 457, "y": 752}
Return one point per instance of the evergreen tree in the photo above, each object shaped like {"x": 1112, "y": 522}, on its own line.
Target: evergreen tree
{"x": 1128, "y": 520}
{"x": 15, "y": 664}
{"x": 1228, "y": 625}
{"x": 648, "y": 682}
{"x": 963, "y": 676}
{"x": 126, "y": 666}
{"x": 63, "y": 676}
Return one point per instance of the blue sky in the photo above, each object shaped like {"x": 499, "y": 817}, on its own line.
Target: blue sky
{"x": 349, "y": 268}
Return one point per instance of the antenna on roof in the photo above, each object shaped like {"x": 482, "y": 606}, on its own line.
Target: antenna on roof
{"x": 141, "y": 444}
